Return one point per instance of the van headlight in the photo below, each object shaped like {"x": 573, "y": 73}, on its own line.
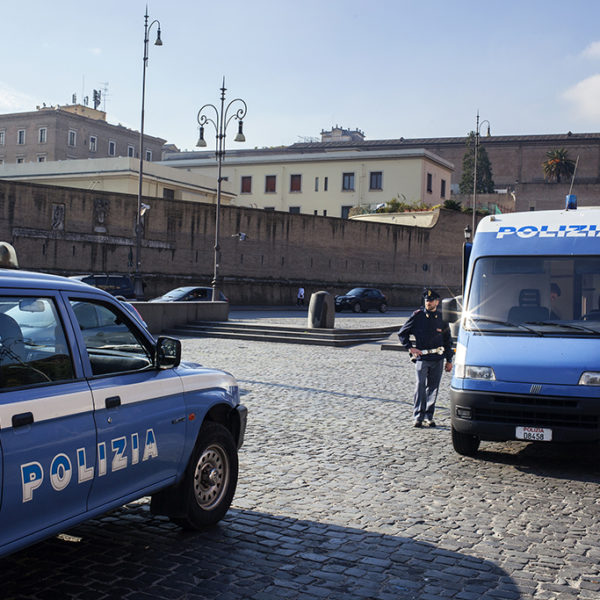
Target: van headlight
{"x": 590, "y": 378}
{"x": 473, "y": 372}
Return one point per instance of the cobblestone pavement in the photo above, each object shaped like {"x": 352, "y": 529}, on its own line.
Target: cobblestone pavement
{"x": 340, "y": 498}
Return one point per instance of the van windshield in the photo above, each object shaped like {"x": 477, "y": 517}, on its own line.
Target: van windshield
{"x": 539, "y": 294}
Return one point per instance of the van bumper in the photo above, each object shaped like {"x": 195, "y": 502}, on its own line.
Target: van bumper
{"x": 495, "y": 417}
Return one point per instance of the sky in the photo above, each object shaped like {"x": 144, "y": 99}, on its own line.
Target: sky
{"x": 391, "y": 68}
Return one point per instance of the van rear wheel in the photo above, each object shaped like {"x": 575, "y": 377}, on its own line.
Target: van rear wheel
{"x": 464, "y": 443}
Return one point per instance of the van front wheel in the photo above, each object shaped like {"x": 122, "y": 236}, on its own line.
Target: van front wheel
{"x": 464, "y": 443}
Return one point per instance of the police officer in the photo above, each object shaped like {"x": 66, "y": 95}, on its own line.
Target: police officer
{"x": 433, "y": 343}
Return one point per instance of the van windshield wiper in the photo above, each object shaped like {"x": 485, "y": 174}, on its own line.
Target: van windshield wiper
{"x": 509, "y": 324}
{"x": 567, "y": 326}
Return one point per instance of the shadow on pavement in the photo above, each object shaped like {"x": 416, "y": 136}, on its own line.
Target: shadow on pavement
{"x": 131, "y": 554}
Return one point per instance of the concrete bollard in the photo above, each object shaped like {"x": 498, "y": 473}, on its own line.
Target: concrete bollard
{"x": 321, "y": 311}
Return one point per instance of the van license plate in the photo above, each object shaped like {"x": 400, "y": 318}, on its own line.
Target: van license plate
{"x": 534, "y": 434}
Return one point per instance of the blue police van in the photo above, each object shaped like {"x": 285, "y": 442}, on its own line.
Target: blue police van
{"x": 527, "y": 363}
{"x": 95, "y": 412}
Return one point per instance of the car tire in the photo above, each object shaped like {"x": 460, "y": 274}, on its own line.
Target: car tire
{"x": 210, "y": 478}
{"x": 356, "y": 308}
{"x": 464, "y": 443}
{"x": 383, "y": 308}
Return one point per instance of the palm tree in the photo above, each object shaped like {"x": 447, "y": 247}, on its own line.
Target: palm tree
{"x": 558, "y": 165}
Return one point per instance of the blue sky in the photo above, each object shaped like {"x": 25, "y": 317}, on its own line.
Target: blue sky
{"x": 392, "y": 68}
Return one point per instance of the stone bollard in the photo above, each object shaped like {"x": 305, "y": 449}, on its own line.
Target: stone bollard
{"x": 321, "y": 311}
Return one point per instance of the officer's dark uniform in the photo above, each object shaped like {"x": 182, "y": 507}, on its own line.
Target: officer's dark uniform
{"x": 430, "y": 333}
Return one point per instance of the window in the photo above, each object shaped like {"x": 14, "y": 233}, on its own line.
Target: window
{"x": 316, "y": 184}
{"x": 130, "y": 151}
{"x": 2, "y": 138}
{"x": 443, "y": 188}
{"x": 72, "y": 140}
{"x": 375, "y": 180}
{"x": 1, "y": 161}
{"x": 112, "y": 148}
{"x": 325, "y": 212}
{"x": 270, "y": 184}
{"x": 429, "y": 183}
{"x": 21, "y": 137}
{"x": 20, "y": 160}
{"x": 41, "y": 158}
{"x": 295, "y": 183}
{"x": 168, "y": 193}
{"x": 348, "y": 182}
{"x": 33, "y": 348}
{"x": 269, "y": 208}
{"x": 346, "y": 211}
{"x": 111, "y": 343}
{"x": 43, "y": 135}
{"x": 246, "y": 186}
{"x": 325, "y": 183}
{"x": 149, "y": 155}
{"x": 93, "y": 143}
{"x": 295, "y": 210}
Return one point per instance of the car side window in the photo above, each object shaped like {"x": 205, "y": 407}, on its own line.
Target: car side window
{"x": 33, "y": 346}
{"x": 111, "y": 341}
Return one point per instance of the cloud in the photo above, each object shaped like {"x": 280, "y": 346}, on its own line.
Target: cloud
{"x": 96, "y": 51}
{"x": 585, "y": 97}
{"x": 592, "y": 51}
{"x": 12, "y": 100}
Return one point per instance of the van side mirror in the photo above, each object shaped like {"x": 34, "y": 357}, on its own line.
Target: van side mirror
{"x": 452, "y": 309}
{"x": 168, "y": 353}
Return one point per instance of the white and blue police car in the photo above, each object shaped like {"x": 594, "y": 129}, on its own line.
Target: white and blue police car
{"x": 95, "y": 412}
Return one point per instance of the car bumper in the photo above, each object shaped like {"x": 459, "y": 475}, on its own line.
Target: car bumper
{"x": 495, "y": 417}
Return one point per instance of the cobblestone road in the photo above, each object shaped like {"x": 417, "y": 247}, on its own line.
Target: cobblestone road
{"x": 340, "y": 498}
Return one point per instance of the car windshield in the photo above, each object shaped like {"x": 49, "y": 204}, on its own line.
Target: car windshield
{"x": 176, "y": 293}
{"x": 355, "y": 292}
{"x": 541, "y": 295}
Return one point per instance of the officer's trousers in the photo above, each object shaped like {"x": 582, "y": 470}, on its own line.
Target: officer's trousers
{"x": 428, "y": 377}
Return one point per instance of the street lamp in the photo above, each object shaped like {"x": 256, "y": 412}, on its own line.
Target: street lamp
{"x": 138, "y": 287}
{"x": 220, "y": 123}
{"x": 477, "y": 128}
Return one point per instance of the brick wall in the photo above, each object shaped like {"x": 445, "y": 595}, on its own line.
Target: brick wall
{"x": 69, "y": 231}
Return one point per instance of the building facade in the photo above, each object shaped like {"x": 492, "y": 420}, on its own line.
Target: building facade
{"x": 53, "y": 133}
{"x": 325, "y": 184}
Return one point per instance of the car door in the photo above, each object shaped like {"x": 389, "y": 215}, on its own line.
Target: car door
{"x": 139, "y": 410}
{"x": 47, "y": 428}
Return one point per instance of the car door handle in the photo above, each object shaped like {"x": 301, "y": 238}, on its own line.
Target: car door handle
{"x": 113, "y": 402}
{"x": 22, "y": 419}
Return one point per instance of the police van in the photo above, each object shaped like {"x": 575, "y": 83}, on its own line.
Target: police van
{"x": 527, "y": 363}
{"x": 95, "y": 412}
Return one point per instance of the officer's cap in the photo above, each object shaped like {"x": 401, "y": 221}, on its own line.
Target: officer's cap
{"x": 430, "y": 294}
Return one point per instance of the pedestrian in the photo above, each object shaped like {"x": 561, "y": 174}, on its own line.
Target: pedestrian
{"x": 432, "y": 343}
{"x": 554, "y": 294}
{"x": 300, "y": 297}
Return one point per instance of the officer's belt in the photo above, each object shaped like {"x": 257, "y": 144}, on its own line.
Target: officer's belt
{"x": 438, "y": 350}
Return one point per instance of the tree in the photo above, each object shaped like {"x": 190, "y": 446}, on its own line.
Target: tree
{"x": 558, "y": 165}
{"x": 485, "y": 183}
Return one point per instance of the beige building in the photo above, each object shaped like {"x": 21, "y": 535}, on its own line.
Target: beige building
{"x": 325, "y": 183}
{"x": 120, "y": 175}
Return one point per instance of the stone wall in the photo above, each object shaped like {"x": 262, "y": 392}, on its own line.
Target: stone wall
{"x": 70, "y": 231}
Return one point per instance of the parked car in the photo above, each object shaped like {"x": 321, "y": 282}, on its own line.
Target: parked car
{"x": 190, "y": 294}
{"x": 117, "y": 285}
{"x": 361, "y": 300}
{"x": 95, "y": 413}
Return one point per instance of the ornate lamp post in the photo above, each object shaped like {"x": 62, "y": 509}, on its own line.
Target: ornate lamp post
{"x": 477, "y": 129}
{"x": 222, "y": 119}
{"x": 138, "y": 287}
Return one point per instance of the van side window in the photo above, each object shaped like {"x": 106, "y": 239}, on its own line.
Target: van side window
{"x": 33, "y": 347}
{"x": 110, "y": 340}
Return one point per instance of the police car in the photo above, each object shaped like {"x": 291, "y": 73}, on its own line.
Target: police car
{"x": 94, "y": 413}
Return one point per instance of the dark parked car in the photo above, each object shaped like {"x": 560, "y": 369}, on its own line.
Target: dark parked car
{"x": 361, "y": 299}
{"x": 117, "y": 285}
{"x": 189, "y": 294}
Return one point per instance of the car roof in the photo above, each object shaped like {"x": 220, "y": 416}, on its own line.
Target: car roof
{"x": 11, "y": 278}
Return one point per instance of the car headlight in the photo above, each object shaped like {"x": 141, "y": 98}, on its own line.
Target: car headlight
{"x": 590, "y": 378}
{"x": 473, "y": 372}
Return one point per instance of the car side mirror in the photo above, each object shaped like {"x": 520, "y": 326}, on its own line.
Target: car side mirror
{"x": 451, "y": 309}
{"x": 168, "y": 353}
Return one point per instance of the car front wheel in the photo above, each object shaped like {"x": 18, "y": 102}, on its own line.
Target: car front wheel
{"x": 356, "y": 308}
{"x": 464, "y": 443}
{"x": 210, "y": 479}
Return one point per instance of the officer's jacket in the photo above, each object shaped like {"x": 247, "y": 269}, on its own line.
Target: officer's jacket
{"x": 429, "y": 332}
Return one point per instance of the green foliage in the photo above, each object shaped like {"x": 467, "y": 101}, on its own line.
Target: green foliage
{"x": 558, "y": 165}
{"x": 485, "y": 182}
{"x": 452, "y": 204}
{"x": 395, "y": 205}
